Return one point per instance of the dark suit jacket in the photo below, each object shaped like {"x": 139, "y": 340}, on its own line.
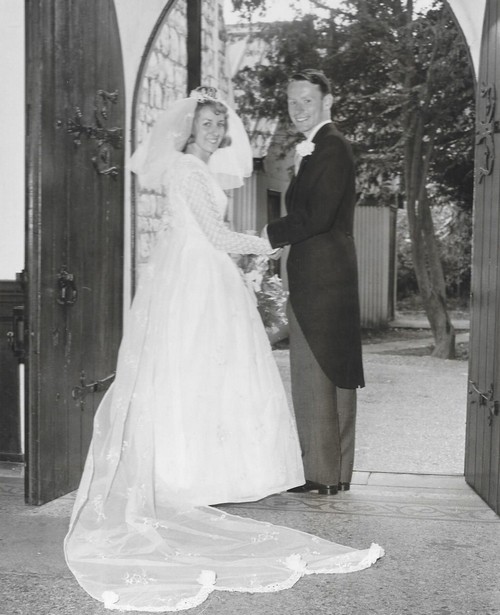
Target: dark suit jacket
{"x": 322, "y": 267}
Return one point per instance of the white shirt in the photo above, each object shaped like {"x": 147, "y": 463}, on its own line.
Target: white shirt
{"x": 309, "y": 138}
{"x": 315, "y": 130}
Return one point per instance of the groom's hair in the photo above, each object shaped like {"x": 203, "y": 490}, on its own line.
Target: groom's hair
{"x": 316, "y": 77}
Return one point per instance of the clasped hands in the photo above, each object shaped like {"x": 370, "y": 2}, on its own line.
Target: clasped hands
{"x": 276, "y": 253}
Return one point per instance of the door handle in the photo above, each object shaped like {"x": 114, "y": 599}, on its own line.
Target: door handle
{"x": 486, "y": 399}
{"x": 67, "y": 293}
{"x": 79, "y": 393}
{"x": 15, "y": 338}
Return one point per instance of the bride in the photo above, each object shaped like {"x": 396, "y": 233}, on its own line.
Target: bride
{"x": 197, "y": 415}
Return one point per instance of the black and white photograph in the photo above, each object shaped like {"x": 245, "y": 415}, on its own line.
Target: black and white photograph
{"x": 250, "y": 307}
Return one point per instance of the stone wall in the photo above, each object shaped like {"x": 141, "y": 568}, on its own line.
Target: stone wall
{"x": 165, "y": 80}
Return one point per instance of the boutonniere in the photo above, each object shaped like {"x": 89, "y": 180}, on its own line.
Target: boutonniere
{"x": 305, "y": 148}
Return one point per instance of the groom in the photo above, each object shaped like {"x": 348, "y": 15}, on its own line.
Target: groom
{"x": 323, "y": 308}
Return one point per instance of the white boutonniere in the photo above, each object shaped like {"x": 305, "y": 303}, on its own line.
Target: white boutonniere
{"x": 305, "y": 148}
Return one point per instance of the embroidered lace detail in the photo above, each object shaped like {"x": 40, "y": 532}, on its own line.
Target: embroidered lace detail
{"x": 199, "y": 193}
{"x": 98, "y": 504}
{"x": 138, "y": 578}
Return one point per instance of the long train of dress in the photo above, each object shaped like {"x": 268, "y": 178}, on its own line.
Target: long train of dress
{"x": 197, "y": 416}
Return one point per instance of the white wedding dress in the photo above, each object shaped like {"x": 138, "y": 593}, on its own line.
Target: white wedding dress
{"x": 197, "y": 416}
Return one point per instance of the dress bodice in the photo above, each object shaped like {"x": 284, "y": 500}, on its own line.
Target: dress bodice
{"x": 194, "y": 200}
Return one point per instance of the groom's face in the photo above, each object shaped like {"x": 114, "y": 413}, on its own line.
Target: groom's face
{"x": 307, "y": 105}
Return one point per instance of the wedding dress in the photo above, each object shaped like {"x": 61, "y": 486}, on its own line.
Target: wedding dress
{"x": 197, "y": 416}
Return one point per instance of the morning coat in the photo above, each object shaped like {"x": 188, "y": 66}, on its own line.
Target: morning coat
{"x": 322, "y": 266}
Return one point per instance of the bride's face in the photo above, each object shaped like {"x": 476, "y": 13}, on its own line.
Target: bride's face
{"x": 209, "y": 128}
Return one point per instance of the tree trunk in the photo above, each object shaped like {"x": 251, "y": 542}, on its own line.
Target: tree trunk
{"x": 418, "y": 151}
{"x": 430, "y": 280}
{"x": 435, "y": 303}
{"x": 425, "y": 254}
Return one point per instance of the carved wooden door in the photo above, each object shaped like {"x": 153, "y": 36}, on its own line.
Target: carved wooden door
{"x": 75, "y": 118}
{"x": 482, "y": 455}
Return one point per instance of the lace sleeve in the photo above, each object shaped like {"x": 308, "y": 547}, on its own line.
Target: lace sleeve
{"x": 200, "y": 198}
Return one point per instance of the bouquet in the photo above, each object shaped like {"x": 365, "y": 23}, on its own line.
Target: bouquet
{"x": 269, "y": 293}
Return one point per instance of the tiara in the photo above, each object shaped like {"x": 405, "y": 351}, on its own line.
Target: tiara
{"x": 203, "y": 93}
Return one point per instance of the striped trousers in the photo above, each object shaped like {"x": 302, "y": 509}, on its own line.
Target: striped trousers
{"x": 325, "y": 414}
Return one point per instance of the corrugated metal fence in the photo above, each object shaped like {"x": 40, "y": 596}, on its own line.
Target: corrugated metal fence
{"x": 374, "y": 234}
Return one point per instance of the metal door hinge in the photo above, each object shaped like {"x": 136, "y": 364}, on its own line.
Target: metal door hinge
{"x": 486, "y": 399}
{"x": 79, "y": 393}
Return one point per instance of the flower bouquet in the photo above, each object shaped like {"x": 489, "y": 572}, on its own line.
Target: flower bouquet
{"x": 269, "y": 293}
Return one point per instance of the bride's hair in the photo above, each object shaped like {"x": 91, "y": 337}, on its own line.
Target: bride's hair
{"x": 169, "y": 135}
{"x": 219, "y": 109}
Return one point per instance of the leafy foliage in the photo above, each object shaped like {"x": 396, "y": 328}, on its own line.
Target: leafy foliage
{"x": 404, "y": 95}
{"x": 363, "y": 49}
{"x": 454, "y": 235}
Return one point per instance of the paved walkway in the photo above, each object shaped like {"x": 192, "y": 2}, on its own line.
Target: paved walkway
{"x": 442, "y": 542}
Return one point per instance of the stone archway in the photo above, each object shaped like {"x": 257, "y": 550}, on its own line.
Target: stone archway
{"x": 174, "y": 62}
{"x": 162, "y": 78}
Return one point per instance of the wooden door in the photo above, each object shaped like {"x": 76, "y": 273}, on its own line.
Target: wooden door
{"x": 11, "y": 306}
{"x": 74, "y": 269}
{"x": 482, "y": 456}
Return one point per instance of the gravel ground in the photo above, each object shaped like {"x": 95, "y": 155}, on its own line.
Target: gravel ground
{"x": 411, "y": 414}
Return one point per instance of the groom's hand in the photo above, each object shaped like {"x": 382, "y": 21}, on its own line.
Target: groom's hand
{"x": 275, "y": 254}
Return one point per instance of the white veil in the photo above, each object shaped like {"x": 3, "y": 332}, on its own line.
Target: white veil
{"x": 154, "y": 157}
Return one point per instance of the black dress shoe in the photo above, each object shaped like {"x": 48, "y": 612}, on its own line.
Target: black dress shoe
{"x": 328, "y": 489}
{"x": 344, "y": 486}
{"x": 305, "y": 488}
